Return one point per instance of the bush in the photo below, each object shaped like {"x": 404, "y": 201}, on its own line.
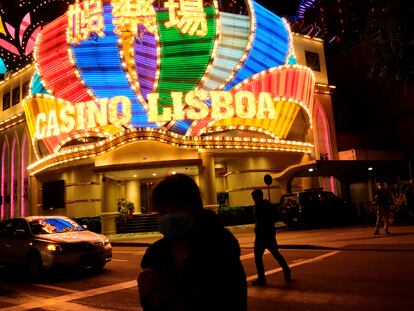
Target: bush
{"x": 233, "y": 216}
{"x": 125, "y": 211}
{"x": 93, "y": 223}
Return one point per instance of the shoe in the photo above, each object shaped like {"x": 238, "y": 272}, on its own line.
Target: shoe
{"x": 287, "y": 275}
{"x": 376, "y": 232}
{"x": 259, "y": 282}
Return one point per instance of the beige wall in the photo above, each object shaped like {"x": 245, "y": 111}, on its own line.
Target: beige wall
{"x": 243, "y": 179}
{"x": 82, "y": 192}
{"x": 302, "y": 44}
{"x": 145, "y": 152}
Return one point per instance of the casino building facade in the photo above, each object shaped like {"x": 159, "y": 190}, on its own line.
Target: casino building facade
{"x": 121, "y": 96}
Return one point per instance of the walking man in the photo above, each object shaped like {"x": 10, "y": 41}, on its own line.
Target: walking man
{"x": 266, "y": 238}
{"x": 382, "y": 198}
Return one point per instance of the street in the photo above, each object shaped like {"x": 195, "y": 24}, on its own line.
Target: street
{"x": 332, "y": 269}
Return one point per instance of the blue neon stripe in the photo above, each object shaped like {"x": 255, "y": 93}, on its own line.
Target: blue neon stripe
{"x": 37, "y": 87}
{"x": 270, "y": 46}
{"x": 101, "y": 69}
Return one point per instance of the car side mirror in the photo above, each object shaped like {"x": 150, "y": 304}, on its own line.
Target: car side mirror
{"x": 85, "y": 227}
{"x": 19, "y": 232}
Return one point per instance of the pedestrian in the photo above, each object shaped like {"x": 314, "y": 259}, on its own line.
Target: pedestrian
{"x": 266, "y": 237}
{"x": 196, "y": 265}
{"x": 382, "y": 202}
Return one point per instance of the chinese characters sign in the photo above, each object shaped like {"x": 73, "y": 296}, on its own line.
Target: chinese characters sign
{"x": 86, "y": 18}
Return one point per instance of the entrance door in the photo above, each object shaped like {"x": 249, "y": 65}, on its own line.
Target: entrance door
{"x": 147, "y": 186}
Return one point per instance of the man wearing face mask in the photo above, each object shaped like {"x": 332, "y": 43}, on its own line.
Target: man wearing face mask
{"x": 196, "y": 266}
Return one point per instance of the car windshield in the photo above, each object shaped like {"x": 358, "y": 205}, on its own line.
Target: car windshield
{"x": 53, "y": 225}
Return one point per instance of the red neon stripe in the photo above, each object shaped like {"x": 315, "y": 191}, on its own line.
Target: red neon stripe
{"x": 55, "y": 67}
{"x": 271, "y": 82}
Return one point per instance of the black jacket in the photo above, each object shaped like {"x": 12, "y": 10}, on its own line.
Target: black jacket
{"x": 211, "y": 276}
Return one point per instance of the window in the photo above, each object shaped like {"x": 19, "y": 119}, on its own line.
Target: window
{"x": 312, "y": 60}
{"x": 25, "y": 89}
{"x": 6, "y": 101}
{"x": 16, "y": 96}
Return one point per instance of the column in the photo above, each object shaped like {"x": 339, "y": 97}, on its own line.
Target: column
{"x": 109, "y": 202}
{"x": 133, "y": 194}
{"x": 208, "y": 181}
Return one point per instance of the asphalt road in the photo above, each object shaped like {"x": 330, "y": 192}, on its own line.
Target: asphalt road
{"x": 360, "y": 272}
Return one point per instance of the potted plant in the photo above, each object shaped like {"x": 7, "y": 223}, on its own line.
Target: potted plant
{"x": 125, "y": 212}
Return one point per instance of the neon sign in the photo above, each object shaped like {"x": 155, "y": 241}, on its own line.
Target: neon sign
{"x": 85, "y": 19}
{"x": 67, "y": 118}
{"x": 224, "y": 105}
{"x": 188, "y": 16}
{"x": 183, "y": 69}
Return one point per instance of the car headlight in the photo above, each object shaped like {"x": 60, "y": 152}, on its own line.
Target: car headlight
{"x": 54, "y": 248}
{"x": 106, "y": 242}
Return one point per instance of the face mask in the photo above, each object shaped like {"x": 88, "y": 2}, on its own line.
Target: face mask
{"x": 176, "y": 225}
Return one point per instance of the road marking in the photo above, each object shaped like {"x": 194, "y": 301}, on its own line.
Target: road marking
{"x": 126, "y": 252}
{"x": 74, "y": 296}
{"x": 130, "y": 284}
{"x": 253, "y": 277}
{"x": 61, "y": 289}
{"x": 119, "y": 259}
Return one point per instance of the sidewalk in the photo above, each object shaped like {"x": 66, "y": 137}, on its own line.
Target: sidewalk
{"x": 147, "y": 238}
{"x": 346, "y": 238}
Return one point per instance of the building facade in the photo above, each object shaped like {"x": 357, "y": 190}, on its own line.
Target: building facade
{"x": 112, "y": 105}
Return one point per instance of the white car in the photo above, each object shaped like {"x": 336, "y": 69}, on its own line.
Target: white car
{"x": 45, "y": 242}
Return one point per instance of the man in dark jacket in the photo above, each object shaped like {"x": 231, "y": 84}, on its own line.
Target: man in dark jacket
{"x": 266, "y": 237}
{"x": 382, "y": 199}
{"x": 196, "y": 266}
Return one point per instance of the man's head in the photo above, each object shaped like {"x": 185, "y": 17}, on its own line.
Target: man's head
{"x": 380, "y": 185}
{"x": 177, "y": 194}
{"x": 257, "y": 195}
{"x": 178, "y": 201}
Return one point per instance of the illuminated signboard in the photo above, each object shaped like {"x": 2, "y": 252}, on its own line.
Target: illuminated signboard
{"x": 109, "y": 66}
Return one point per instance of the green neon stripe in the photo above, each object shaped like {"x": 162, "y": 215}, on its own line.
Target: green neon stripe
{"x": 184, "y": 58}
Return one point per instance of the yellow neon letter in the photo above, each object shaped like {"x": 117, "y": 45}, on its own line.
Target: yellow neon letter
{"x": 197, "y": 109}
{"x": 245, "y": 103}
{"x": 126, "y": 110}
{"x": 222, "y": 105}
{"x": 265, "y": 106}
{"x": 80, "y": 116}
{"x": 97, "y": 113}
{"x": 66, "y": 118}
{"x": 52, "y": 124}
{"x": 153, "y": 110}
{"x": 40, "y": 131}
{"x": 178, "y": 106}
{"x": 153, "y": 107}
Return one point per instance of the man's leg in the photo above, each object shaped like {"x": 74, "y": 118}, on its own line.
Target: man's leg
{"x": 379, "y": 219}
{"x": 259, "y": 249}
{"x": 274, "y": 250}
{"x": 386, "y": 215}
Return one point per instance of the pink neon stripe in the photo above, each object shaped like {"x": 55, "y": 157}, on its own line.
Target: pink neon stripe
{"x": 2, "y": 181}
{"x": 8, "y": 46}
{"x": 12, "y": 203}
{"x": 321, "y": 113}
{"x": 11, "y": 30}
{"x": 24, "y": 142}
{"x": 32, "y": 41}
{"x": 23, "y": 26}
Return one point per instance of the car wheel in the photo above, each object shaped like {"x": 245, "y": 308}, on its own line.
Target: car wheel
{"x": 98, "y": 266}
{"x": 35, "y": 267}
